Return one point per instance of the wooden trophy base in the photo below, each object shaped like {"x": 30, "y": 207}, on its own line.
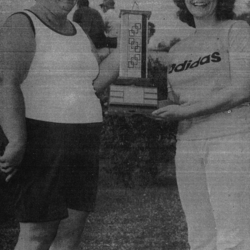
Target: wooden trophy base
{"x": 130, "y": 96}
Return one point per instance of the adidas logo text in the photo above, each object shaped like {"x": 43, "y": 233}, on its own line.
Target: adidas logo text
{"x": 215, "y": 57}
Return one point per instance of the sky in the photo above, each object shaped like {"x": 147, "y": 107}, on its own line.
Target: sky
{"x": 163, "y": 15}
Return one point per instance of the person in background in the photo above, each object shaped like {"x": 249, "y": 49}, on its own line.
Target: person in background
{"x": 111, "y": 22}
{"x": 151, "y": 30}
{"x": 209, "y": 94}
{"x": 52, "y": 119}
{"x": 91, "y": 22}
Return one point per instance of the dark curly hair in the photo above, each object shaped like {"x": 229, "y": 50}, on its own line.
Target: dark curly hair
{"x": 224, "y": 11}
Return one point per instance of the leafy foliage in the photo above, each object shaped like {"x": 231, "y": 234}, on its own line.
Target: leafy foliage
{"x": 136, "y": 144}
{"x": 166, "y": 48}
{"x": 244, "y": 16}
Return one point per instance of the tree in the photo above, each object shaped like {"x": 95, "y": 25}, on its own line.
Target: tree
{"x": 163, "y": 47}
{"x": 244, "y": 16}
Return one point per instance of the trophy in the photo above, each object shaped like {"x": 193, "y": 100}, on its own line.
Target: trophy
{"x": 132, "y": 92}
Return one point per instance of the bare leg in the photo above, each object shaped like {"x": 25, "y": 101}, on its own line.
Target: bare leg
{"x": 70, "y": 231}
{"x": 36, "y": 236}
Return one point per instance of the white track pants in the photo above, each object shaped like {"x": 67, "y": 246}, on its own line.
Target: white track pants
{"x": 214, "y": 184}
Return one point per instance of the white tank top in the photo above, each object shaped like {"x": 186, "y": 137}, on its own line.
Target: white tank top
{"x": 58, "y": 87}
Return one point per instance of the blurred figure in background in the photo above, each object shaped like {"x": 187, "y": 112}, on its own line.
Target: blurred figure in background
{"x": 91, "y": 22}
{"x": 111, "y": 22}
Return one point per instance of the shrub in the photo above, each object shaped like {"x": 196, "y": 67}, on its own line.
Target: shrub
{"x": 136, "y": 144}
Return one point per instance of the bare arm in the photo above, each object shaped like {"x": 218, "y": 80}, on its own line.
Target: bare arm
{"x": 109, "y": 71}
{"x": 17, "y": 51}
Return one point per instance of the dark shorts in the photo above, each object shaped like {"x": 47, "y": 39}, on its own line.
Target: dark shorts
{"x": 59, "y": 170}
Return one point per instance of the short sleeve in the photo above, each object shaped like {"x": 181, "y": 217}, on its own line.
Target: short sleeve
{"x": 239, "y": 37}
{"x": 239, "y": 50}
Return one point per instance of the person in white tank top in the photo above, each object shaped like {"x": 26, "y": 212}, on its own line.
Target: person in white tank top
{"x": 209, "y": 93}
{"x": 50, "y": 77}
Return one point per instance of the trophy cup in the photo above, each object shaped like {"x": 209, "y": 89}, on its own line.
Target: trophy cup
{"x": 132, "y": 92}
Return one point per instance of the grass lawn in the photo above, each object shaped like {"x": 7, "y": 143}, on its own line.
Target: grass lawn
{"x": 149, "y": 219}
{"x": 127, "y": 219}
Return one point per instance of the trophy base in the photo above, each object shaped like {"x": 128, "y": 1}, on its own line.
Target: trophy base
{"x": 129, "y": 110}
{"x": 132, "y": 96}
